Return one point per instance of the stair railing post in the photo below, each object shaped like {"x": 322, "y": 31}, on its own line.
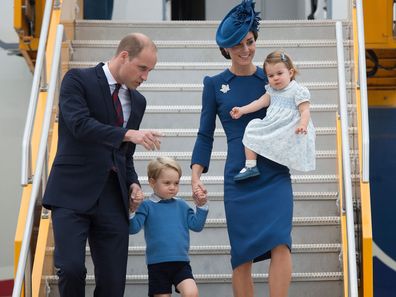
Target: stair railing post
{"x": 346, "y": 164}
{"x": 39, "y": 72}
{"x": 363, "y": 93}
{"x": 37, "y": 178}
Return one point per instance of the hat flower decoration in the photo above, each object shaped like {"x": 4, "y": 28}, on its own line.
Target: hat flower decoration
{"x": 237, "y": 23}
{"x": 244, "y": 14}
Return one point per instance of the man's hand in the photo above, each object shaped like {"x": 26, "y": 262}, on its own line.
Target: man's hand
{"x": 135, "y": 197}
{"x": 149, "y": 139}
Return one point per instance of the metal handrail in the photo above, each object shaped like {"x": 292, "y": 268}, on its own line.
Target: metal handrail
{"x": 26, "y": 165}
{"x": 41, "y": 158}
{"x": 363, "y": 93}
{"x": 346, "y": 165}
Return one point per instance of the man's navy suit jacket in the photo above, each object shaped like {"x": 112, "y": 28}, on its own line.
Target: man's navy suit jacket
{"x": 89, "y": 145}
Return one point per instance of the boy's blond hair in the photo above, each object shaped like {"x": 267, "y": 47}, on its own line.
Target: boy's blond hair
{"x": 158, "y": 164}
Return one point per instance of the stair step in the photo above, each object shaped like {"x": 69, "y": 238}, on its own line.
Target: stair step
{"x": 181, "y": 30}
{"x": 197, "y": 108}
{"x": 325, "y": 161}
{"x": 313, "y": 284}
{"x": 305, "y": 230}
{"x": 180, "y": 93}
{"x": 208, "y": 51}
{"x": 301, "y": 196}
{"x": 216, "y": 259}
{"x": 309, "y": 43}
{"x": 183, "y": 156}
{"x": 189, "y": 115}
{"x": 218, "y": 66}
{"x": 297, "y": 221}
{"x": 184, "y": 139}
{"x": 305, "y": 203}
{"x": 318, "y": 182}
{"x": 301, "y": 207}
{"x": 215, "y": 278}
{"x": 198, "y": 87}
{"x": 225, "y": 249}
{"x": 186, "y": 72}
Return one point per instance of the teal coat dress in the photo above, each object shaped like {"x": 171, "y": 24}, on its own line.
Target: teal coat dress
{"x": 258, "y": 211}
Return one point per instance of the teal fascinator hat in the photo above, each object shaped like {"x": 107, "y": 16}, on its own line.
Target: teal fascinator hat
{"x": 237, "y": 23}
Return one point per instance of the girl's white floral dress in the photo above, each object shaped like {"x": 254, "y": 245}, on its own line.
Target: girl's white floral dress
{"x": 274, "y": 136}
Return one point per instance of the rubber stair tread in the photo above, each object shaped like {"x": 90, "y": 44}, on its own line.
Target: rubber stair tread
{"x": 215, "y": 179}
{"x": 297, "y": 221}
{"x": 226, "y": 277}
{"x": 220, "y": 132}
{"x": 331, "y": 42}
{"x": 213, "y": 23}
{"x": 199, "y": 87}
{"x": 218, "y": 155}
{"x": 225, "y": 249}
{"x": 221, "y": 249}
{"x": 218, "y": 196}
{"x": 197, "y": 108}
{"x": 216, "y": 65}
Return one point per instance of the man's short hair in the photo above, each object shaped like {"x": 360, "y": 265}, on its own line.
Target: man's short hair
{"x": 134, "y": 43}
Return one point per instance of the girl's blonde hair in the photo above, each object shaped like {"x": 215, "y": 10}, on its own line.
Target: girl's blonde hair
{"x": 280, "y": 57}
{"x": 158, "y": 164}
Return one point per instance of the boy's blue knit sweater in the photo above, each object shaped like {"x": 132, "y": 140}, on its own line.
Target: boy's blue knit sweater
{"x": 166, "y": 228}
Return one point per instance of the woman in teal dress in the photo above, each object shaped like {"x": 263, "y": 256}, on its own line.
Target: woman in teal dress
{"x": 258, "y": 212}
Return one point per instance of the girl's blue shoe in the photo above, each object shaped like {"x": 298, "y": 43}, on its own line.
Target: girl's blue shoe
{"x": 247, "y": 173}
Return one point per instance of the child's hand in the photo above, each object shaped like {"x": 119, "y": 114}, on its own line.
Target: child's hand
{"x": 135, "y": 197}
{"x": 301, "y": 129}
{"x": 200, "y": 197}
{"x": 236, "y": 112}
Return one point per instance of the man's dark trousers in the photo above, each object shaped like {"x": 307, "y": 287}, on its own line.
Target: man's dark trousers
{"x": 106, "y": 228}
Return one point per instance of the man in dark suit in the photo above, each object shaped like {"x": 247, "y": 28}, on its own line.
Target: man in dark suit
{"x": 93, "y": 183}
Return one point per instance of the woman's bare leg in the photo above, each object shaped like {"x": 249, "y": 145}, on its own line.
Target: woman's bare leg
{"x": 242, "y": 282}
{"x": 280, "y": 270}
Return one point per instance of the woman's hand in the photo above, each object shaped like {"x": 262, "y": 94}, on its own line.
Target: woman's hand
{"x": 236, "y": 112}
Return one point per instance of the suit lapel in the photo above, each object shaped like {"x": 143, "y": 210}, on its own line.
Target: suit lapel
{"x": 105, "y": 91}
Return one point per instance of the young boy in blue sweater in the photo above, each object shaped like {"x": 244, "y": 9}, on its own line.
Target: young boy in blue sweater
{"x": 166, "y": 220}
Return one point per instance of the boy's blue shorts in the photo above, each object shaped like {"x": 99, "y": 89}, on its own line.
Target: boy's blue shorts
{"x": 163, "y": 275}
